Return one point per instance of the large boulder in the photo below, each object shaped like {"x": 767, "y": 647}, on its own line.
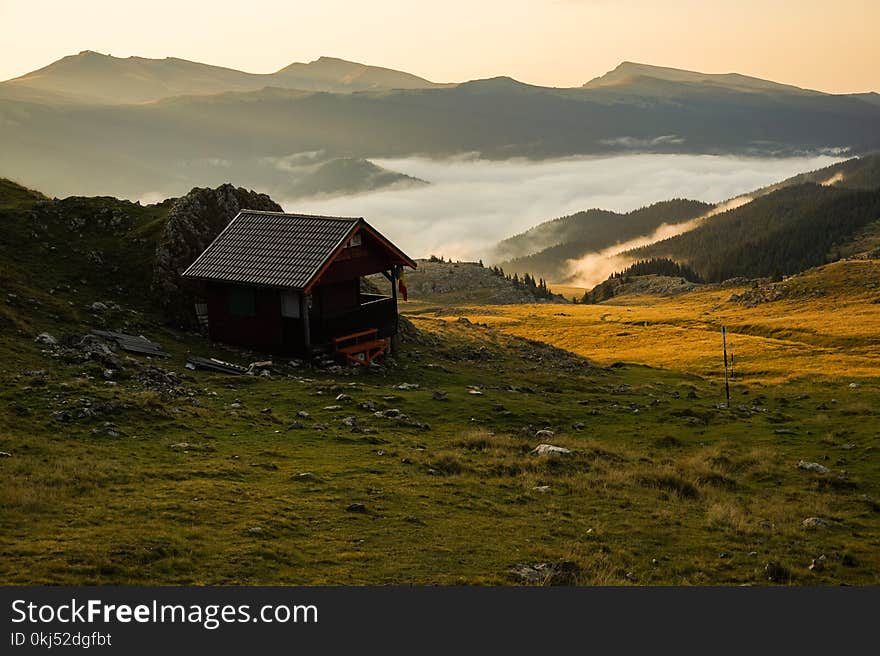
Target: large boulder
{"x": 194, "y": 220}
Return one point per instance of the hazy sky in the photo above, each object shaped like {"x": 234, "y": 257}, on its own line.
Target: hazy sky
{"x": 831, "y": 46}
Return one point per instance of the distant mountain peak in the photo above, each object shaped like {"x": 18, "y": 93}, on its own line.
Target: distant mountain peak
{"x": 345, "y": 75}
{"x": 336, "y": 60}
{"x": 629, "y": 72}
{"x": 500, "y": 82}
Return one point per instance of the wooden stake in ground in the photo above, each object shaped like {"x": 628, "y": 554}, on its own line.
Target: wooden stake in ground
{"x": 726, "y": 376}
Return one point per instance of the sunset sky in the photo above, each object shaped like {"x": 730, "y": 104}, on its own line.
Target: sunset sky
{"x": 830, "y": 46}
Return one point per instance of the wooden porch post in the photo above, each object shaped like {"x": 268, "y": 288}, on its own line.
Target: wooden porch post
{"x": 395, "y": 339}
{"x": 304, "y": 314}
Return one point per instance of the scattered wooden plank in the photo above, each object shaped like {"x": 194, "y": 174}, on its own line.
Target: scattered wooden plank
{"x": 213, "y": 364}
{"x": 133, "y": 343}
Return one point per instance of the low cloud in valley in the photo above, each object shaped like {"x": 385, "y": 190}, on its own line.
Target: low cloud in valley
{"x": 471, "y": 204}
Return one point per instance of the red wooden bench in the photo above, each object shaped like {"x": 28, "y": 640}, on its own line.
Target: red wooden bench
{"x": 361, "y": 348}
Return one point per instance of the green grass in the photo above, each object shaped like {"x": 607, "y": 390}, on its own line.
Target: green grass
{"x": 679, "y": 482}
{"x": 663, "y": 486}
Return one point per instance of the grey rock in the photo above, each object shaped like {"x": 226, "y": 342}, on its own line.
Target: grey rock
{"x": 45, "y": 338}
{"x": 544, "y": 434}
{"x": 190, "y": 446}
{"x": 812, "y": 467}
{"x": 564, "y": 572}
{"x": 356, "y": 508}
{"x": 549, "y": 449}
{"x": 265, "y": 465}
{"x": 815, "y": 522}
{"x": 818, "y": 564}
{"x": 194, "y": 220}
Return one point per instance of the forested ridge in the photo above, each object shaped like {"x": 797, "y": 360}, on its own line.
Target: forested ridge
{"x": 784, "y": 232}
{"x": 569, "y": 237}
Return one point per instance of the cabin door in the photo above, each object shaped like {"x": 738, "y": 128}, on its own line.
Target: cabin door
{"x": 291, "y": 321}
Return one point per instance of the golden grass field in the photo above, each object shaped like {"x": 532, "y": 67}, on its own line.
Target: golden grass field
{"x": 569, "y": 291}
{"x": 833, "y": 336}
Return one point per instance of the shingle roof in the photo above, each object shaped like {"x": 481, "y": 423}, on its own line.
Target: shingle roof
{"x": 272, "y": 248}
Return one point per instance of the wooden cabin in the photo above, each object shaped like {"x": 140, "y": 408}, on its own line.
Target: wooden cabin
{"x": 291, "y": 283}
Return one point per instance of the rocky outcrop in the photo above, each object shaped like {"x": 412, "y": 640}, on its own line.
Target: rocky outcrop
{"x": 766, "y": 291}
{"x": 465, "y": 282}
{"x": 194, "y": 220}
{"x": 634, "y": 285}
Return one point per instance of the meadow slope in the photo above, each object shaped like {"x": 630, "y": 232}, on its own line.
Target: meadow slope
{"x": 120, "y": 469}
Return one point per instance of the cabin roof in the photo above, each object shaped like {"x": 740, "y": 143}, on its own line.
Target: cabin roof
{"x": 276, "y": 249}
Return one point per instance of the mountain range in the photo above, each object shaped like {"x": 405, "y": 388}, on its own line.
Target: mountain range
{"x": 95, "y": 124}
{"x": 93, "y": 78}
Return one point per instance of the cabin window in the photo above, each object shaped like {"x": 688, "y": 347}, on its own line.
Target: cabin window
{"x": 290, "y": 305}
{"x": 242, "y": 302}
{"x": 354, "y": 241}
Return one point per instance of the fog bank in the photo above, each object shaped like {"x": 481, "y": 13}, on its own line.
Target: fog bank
{"x": 471, "y": 204}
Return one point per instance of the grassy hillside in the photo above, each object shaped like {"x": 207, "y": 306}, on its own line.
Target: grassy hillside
{"x": 59, "y": 257}
{"x": 455, "y": 283}
{"x": 117, "y": 468}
